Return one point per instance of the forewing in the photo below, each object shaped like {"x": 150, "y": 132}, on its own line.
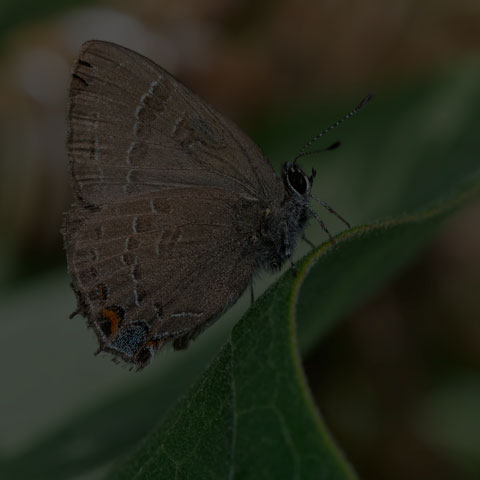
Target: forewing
{"x": 159, "y": 267}
{"x": 135, "y": 129}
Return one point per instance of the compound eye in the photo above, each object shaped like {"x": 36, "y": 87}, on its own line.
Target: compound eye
{"x": 297, "y": 180}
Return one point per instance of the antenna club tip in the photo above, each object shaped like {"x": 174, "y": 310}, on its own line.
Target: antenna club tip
{"x": 365, "y": 100}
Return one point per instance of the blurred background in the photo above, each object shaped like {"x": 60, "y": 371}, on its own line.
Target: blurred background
{"x": 398, "y": 381}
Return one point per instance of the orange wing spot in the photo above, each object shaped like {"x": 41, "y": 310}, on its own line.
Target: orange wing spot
{"x": 113, "y": 318}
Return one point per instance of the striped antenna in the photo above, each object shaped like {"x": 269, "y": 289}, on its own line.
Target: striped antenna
{"x": 302, "y": 151}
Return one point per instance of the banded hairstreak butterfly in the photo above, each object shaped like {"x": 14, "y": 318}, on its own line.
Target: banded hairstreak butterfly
{"x": 175, "y": 208}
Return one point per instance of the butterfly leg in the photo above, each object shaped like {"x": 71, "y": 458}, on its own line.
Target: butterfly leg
{"x": 306, "y": 240}
{"x": 252, "y": 296}
{"x": 324, "y": 227}
{"x": 294, "y": 267}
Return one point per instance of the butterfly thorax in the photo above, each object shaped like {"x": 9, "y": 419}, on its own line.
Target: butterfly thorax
{"x": 284, "y": 223}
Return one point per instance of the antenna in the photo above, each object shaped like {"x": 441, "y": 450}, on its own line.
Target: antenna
{"x": 302, "y": 151}
{"x": 333, "y": 146}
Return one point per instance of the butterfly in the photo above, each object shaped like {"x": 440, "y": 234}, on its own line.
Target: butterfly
{"x": 175, "y": 207}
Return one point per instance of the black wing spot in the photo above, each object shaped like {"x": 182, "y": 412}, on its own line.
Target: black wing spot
{"x": 80, "y": 79}
{"x": 84, "y": 63}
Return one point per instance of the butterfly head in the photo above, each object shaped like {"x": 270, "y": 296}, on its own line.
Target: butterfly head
{"x": 296, "y": 181}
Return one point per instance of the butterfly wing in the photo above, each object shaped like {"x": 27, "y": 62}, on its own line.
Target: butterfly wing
{"x": 160, "y": 267}
{"x": 170, "y": 195}
{"x": 135, "y": 129}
